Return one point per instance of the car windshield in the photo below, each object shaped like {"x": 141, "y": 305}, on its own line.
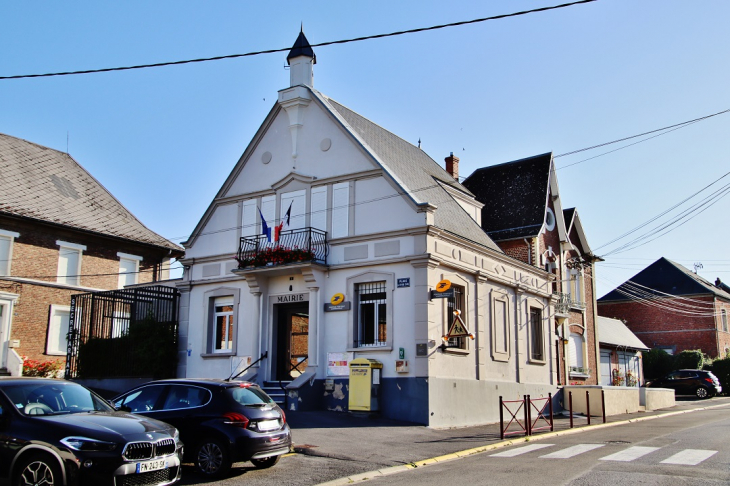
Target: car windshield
{"x": 250, "y": 396}
{"x": 54, "y": 398}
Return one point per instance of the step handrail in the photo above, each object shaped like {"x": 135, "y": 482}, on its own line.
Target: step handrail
{"x": 264, "y": 355}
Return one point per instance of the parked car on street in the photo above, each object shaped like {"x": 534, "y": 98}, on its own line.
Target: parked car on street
{"x": 702, "y": 384}
{"x": 56, "y": 432}
{"x": 221, "y": 422}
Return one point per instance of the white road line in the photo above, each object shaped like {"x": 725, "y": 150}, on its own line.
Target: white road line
{"x": 689, "y": 457}
{"x": 521, "y": 450}
{"x": 630, "y": 454}
{"x": 572, "y": 451}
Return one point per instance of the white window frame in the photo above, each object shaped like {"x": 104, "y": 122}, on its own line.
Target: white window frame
{"x": 210, "y": 348}
{"x": 126, "y": 257}
{"x": 6, "y": 260}
{"x": 723, "y": 318}
{"x": 60, "y": 347}
{"x": 544, "y": 329}
{"x": 62, "y": 277}
{"x": 353, "y": 328}
{"x": 578, "y": 359}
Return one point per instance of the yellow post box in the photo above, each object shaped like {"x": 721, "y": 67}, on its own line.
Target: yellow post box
{"x": 365, "y": 385}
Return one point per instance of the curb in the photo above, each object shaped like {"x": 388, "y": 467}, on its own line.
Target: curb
{"x": 347, "y": 480}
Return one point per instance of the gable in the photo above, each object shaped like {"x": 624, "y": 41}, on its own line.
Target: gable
{"x": 514, "y": 195}
{"x": 46, "y": 185}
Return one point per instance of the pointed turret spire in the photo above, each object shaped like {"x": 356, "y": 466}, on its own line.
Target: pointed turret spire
{"x": 300, "y": 59}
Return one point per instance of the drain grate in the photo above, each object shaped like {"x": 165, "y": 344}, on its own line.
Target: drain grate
{"x": 617, "y": 442}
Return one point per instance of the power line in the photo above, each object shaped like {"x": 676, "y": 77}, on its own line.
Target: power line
{"x": 676, "y": 125}
{"x": 285, "y": 49}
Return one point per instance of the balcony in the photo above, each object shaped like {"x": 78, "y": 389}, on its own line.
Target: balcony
{"x": 294, "y": 246}
{"x": 566, "y": 302}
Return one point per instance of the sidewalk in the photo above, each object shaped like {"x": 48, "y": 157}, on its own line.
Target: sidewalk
{"x": 377, "y": 444}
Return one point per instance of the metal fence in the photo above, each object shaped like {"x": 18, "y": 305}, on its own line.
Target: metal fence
{"x": 133, "y": 332}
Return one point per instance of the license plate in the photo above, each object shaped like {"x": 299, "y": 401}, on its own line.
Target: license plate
{"x": 266, "y": 425}
{"x": 148, "y": 466}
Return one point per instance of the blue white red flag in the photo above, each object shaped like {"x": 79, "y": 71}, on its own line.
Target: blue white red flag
{"x": 265, "y": 230}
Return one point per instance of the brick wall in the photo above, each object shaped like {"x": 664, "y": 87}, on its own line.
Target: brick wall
{"x": 35, "y": 257}
{"x": 516, "y": 249}
{"x": 657, "y": 325}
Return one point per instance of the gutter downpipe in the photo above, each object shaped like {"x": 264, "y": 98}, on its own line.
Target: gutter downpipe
{"x": 529, "y": 251}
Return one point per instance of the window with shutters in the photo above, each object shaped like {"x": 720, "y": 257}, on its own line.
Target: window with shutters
{"x": 56, "y": 342}
{"x": 69, "y": 263}
{"x": 6, "y": 251}
{"x": 128, "y": 269}
{"x": 576, "y": 350}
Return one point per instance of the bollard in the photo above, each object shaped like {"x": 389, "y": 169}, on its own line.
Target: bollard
{"x": 529, "y": 415}
{"x": 501, "y": 419}
{"x": 570, "y": 404}
{"x": 588, "y": 407}
{"x": 603, "y": 405}
{"x": 524, "y": 405}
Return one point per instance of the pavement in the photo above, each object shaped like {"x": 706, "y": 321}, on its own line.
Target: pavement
{"x": 362, "y": 446}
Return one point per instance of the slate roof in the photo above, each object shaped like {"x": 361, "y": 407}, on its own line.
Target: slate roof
{"x": 417, "y": 173}
{"x": 615, "y": 333}
{"x": 301, "y": 47}
{"x": 50, "y": 186}
{"x": 514, "y": 195}
{"x": 665, "y": 277}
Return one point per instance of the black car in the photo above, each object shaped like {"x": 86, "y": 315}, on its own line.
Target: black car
{"x": 221, "y": 422}
{"x": 702, "y": 384}
{"x": 56, "y": 432}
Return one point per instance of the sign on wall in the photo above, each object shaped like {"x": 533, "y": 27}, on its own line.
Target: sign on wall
{"x": 338, "y": 364}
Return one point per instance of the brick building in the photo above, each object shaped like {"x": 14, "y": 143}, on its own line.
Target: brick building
{"x": 523, "y": 214}
{"x": 668, "y": 306}
{"x": 61, "y": 233}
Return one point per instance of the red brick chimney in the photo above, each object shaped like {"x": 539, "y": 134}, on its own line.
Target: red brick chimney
{"x": 452, "y": 166}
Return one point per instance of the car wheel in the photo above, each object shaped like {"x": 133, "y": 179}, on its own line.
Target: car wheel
{"x": 702, "y": 392}
{"x": 38, "y": 469}
{"x": 212, "y": 458}
{"x": 265, "y": 463}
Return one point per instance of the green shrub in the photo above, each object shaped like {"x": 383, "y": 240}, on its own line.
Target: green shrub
{"x": 689, "y": 360}
{"x": 149, "y": 349}
{"x": 721, "y": 369}
{"x": 657, "y": 363}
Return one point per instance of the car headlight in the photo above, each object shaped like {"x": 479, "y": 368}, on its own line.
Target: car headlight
{"x": 86, "y": 444}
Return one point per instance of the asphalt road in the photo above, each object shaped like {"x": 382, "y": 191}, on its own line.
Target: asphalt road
{"x": 689, "y": 449}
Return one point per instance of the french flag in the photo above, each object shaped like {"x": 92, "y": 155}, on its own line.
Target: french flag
{"x": 285, "y": 220}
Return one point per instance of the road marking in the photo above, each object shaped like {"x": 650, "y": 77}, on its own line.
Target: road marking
{"x": 521, "y": 450}
{"x": 689, "y": 457}
{"x": 630, "y": 454}
{"x": 572, "y": 451}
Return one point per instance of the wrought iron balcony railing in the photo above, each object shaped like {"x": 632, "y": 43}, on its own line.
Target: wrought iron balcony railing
{"x": 566, "y": 302}
{"x": 293, "y": 246}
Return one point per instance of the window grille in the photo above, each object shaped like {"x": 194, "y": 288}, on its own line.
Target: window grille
{"x": 372, "y": 314}
{"x": 456, "y": 303}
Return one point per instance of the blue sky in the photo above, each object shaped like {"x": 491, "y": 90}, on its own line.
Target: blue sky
{"x": 163, "y": 140}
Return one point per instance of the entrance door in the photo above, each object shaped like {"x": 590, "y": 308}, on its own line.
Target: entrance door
{"x": 292, "y": 340}
{"x": 606, "y": 368}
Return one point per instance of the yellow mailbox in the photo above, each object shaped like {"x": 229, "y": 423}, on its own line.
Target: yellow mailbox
{"x": 365, "y": 385}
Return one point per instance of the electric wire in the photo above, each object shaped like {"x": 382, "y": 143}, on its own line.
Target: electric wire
{"x": 285, "y": 49}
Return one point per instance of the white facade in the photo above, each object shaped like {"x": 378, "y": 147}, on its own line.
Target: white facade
{"x": 386, "y": 253}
